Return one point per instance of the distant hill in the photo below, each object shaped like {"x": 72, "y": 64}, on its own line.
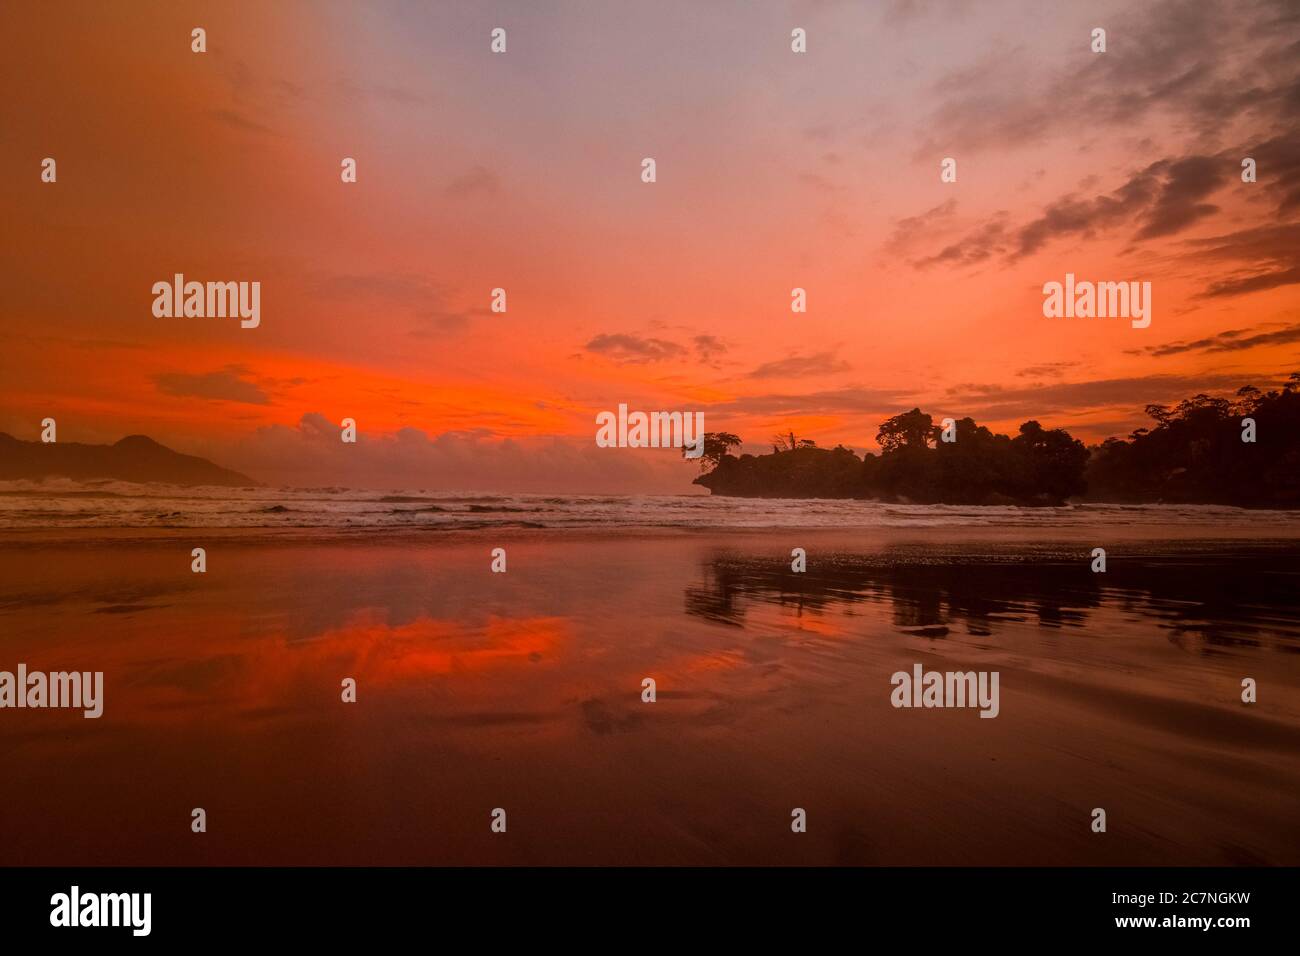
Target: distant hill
{"x": 134, "y": 458}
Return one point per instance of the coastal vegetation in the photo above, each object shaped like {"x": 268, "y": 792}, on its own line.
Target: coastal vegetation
{"x": 1243, "y": 451}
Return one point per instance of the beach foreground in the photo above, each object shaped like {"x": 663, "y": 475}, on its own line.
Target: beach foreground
{"x": 523, "y": 691}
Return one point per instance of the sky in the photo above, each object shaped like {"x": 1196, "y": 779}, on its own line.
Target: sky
{"x": 522, "y": 171}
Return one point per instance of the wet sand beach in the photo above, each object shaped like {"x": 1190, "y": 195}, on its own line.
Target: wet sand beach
{"x": 522, "y": 691}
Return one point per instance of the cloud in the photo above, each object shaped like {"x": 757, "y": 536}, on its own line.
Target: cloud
{"x": 1196, "y": 61}
{"x": 390, "y": 94}
{"x": 1072, "y": 216}
{"x": 989, "y": 240}
{"x": 822, "y": 363}
{"x": 468, "y": 460}
{"x": 841, "y": 401}
{"x": 708, "y": 348}
{"x": 478, "y": 181}
{"x": 634, "y": 350}
{"x": 913, "y": 228}
{"x": 996, "y": 402}
{"x": 1255, "y": 283}
{"x": 1231, "y": 340}
{"x": 628, "y": 349}
{"x": 429, "y": 303}
{"x": 439, "y": 322}
{"x": 1279, "y": 160}
{"x": 239, "y": 121}
{"x": 902, "y": 12}
{"x": 1178, "y": 205}
{"x": 1165, "y": 198}
{"x": 387, "y": 286}
{"x": 1205, "y": 65}
{"x": 1272, "y": 253}
{"x": 226, "y": 385}
{"x": 1046, "y": 370}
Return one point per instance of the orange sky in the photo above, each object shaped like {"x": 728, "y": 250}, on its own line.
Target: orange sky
{"x": 521, "y": 171}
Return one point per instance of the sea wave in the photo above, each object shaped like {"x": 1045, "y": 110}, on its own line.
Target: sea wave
{"x": 67, "y": 504}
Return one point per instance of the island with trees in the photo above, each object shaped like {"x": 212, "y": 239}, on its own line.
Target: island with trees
{"x": 1205, "y": 450}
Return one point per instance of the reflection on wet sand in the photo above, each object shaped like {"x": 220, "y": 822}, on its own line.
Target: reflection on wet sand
{"x": 1220, "y": 595}
{"x": 522, "y": 690}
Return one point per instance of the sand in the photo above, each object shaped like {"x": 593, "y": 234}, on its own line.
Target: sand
{"x": 522, "y": 691}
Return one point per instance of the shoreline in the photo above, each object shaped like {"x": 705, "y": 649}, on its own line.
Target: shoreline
{"x": 865, "y": 537}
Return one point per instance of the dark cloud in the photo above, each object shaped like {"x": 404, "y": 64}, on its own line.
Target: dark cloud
{"x": 708, "y": 348}
{"x": 632, "y": 349}
{"x": 911, "y": 229}
{"x": 1231, "y": 340}
{"x": 1278, "y": 165}
{"x": 1186, "y": 183}
{"x": 1259, "y": 244}
{"x": 1046, "y": 370}
{"x": 822, "y": 363}
{"x": 637, "y": 349}
{"x": 1162, "y": 199}
{"x": 1165, "y": 198}
{"x": 1271, "y": 257}
{"x": 1084, "y": 217}
{"x": 1255, "y": 283}
{"x": 1196, "y": 61}
{"x": 227, "y": 385}
{"x": 989, "y": 240}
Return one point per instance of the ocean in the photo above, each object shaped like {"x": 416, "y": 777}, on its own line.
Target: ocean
{"x": 61, "y": 504}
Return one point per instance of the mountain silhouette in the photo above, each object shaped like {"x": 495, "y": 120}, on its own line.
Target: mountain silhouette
{"x": 134, "y": 458}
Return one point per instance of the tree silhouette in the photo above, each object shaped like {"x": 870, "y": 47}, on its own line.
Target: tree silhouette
{"x": 912, "y": 429}
{"x": 1193, "y": 453}
{"x": 717, "y": 445}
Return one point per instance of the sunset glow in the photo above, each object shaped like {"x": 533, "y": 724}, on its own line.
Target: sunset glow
{"x": 774, "y": 172}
